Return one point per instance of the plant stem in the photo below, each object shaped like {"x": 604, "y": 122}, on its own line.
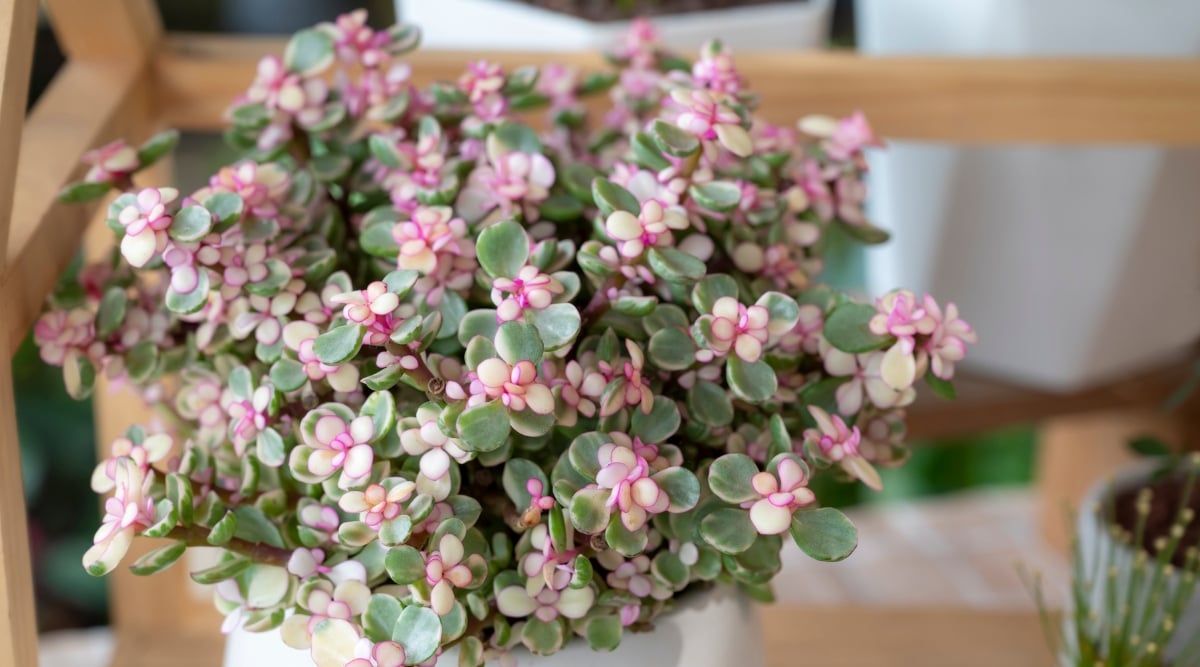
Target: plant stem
{"x": 600, "y": 303}
{"x": 265, "y": 554}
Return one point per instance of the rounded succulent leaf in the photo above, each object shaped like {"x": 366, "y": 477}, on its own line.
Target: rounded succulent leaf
{"x": 824, "y": 534}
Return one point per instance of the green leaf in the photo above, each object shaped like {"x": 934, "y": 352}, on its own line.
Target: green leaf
{"x": 626, "y": 542}
{"x": 647, "y": 153}
{"x": 577, "y": 178}
{"x": 729, "y": 478}
{"x": 676, "y": 266}
{"x": 405, "y": 565}
{"x": 394, "y": 532}
{"x": 308, "y": 52}
{"x": 824, "y": 534}
{"x": 709, "y": 404}
{"x": 79, "y": 375}
{"x": 377, "y": 241}
{"x": 668, "y": 568}
{"x": 557, "y": 325}
{"x": 484, "y": 428}
{"x": 502, "y": 249}
{"x": 941, "y": 388}
{"x": 480, "y": 322}
{"x": 847, "y": 329}
{"x": 674, "y": 140}
{"x": 681, "y": 486}
{"x": 516, "y": 341}
{"x": 728, "y": 530}
{"x": 330, "y": 167}
{"x": 671, "y": 350}
{"x": 382, "y": 612}
{"x": 288, "y": 375}
{"x": 339, "y": 345}
{"x": 720, "y": 196}
{"x": 254, "y": 526}
{"x": 157, "y": 147}
{"x": 603, "y": 633}
{"x": 753, "y": 382}
{"x": 189, "y": 302}
{"x": 541, "y": 637}
{"x": 661, "y": 423}
{"x": 226, "y": 207}
{"x": 179, "y": 492}
{"x": 517, "y": 473}
{"x": 1148, "y": 445}
{"x": 713, "y": 287}
{"x": 81, "y": 192}
{"x": 384, "y": 379}
{"x": 192, "y": 223}
{"x": 380, "y": 406}
{"x": 865, "y": 232}
{"x": 635, "y": 306}
{"x": 596, "y": 82}
{"x": 419, "y": 631}
{"x": 384, "y": 150}
{"x": 111, "y": 312}
{"x": 228, "y": 568}
{"x": 141, "y": 360}
{"x": 158, "y": 560}
{"x": 223, "y": 531}
{"x": 516, "y": 137}
{"x": 251, "y": 116}
{"x": 270, "y": 448}
{"x": 611, "y": 197}
{"x": 589, "y": 511}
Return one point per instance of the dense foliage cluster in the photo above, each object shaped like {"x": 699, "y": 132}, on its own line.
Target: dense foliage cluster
{"x": 434, "y": 378}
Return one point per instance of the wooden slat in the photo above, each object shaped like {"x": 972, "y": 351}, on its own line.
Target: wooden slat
{"x": 86, "y": 105}
{"x": 94, "y": 30}
{"x": 18, "y": 25}
{"x": 984, "y": 404}
{"x": 976, "y": 101}
{"x": 794, "y": 636}
{"x": 18, "y": 619}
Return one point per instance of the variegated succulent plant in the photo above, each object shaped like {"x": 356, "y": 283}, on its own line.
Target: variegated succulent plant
{"x": 434, "y": 378}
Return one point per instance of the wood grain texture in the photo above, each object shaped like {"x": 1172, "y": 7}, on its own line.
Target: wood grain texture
{"x": 794, "y": 637}
{"x": 18, "y": 620}
{"x": 86, "y": 105}
{"x": 975, "y": 101}
{"x": 113, "y": 29}
{"x": 18, "y": 25}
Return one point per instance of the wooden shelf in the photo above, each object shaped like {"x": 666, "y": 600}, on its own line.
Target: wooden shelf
{"x": 817, "y": 636}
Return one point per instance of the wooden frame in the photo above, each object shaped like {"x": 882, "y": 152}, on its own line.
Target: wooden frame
{"x": 126, "y": 78}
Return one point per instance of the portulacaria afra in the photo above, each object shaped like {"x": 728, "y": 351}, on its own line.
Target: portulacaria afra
{"x": 475, "y": 365}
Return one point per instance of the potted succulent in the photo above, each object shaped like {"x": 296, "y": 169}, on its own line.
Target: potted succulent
{"x": 573, "y": 25}
{"x": 439, "y": 384}
{"x": 1134, "y": 561}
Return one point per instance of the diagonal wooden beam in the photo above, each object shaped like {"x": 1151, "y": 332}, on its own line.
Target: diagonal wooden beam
{"x": 87, "y": 104}
{"x": 129, "y": 30}
{"x": 18, "y": 25}
{"x": 974, "y": 101}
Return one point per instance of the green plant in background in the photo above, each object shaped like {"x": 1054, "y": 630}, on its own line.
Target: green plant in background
{"x": 1128, "y": 599}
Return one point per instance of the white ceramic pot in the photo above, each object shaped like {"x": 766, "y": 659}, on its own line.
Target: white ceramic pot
{"x": 716, "y": 628}
{"x": 1075, "y": 265}
{"x": 1096, "y": 543}
{"x": 512, "y": 26}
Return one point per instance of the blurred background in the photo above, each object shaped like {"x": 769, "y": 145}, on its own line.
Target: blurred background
{"x": 1048, "y": 251}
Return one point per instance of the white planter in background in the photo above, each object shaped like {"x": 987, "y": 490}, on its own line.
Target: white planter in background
{"x": 1096, "y": 543}
{"x": 482, "y": 25}
{"x": 717, "y": 628}
{"x": 1075, "y": 265}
